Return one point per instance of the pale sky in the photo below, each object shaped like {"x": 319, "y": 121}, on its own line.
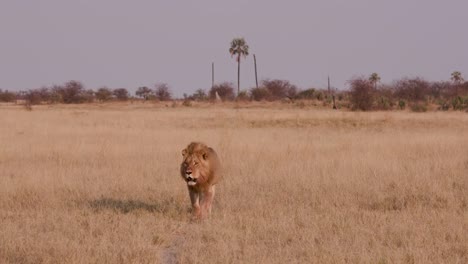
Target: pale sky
{"x": 117, "y": 43}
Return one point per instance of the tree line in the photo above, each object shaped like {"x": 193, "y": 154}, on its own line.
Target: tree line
{"x": 369, "y": 94}
{"x": 364, "y": 93}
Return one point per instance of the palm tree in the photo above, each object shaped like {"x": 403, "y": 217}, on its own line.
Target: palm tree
{"x": 240, "y": 49}
{"x": 374, "y": 79}
{"x": 456, "y": 77}
{"x": 457, "y": 80}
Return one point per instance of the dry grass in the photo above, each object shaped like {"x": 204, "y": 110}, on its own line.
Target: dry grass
{"x": 100, "y": 184}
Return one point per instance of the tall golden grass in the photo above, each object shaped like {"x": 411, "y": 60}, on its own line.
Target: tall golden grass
{"x": 100, "y": 184}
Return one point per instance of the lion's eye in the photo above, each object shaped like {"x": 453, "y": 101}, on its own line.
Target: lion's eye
{"x": 195, "y": 163}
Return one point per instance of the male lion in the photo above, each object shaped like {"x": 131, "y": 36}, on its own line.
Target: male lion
{"x": 201, "y": 170}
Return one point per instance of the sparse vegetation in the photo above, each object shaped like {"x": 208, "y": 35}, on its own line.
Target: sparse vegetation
{"x": 81, "y": 184}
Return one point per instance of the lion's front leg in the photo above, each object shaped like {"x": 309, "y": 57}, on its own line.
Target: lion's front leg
{"x": 195, "y": 200}
{"x": 207, "y": 201}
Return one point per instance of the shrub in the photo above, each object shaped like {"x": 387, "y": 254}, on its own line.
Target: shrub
{"x": 361, "y": 94}
{"x": 187, "y": 102}
{"x": 260, "y": 93}
{"x": 458, "y": 103}
{"x": 418, "y": 107}
{"x": 384, "y": 103}
{"x": 225, "y": 91}
{"x": 306, "y": 94}
{"x": 243, "y": 96}
{"x": 402, "y": 104}
{"x": 104, "y": 94}
{"x": 280, "y": 89}
{"x": 413, "y": 90}
{"x": 199, "y": 95}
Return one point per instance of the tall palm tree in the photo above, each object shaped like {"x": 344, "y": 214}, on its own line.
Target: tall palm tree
{"x": 240, "y": 49}
{"x": 456, "y": 77}
{"x": 457, "y": 80}
{"x": 374, "y": 79}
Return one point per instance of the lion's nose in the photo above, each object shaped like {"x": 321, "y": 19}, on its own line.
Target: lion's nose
{"x": 188, "y": 172}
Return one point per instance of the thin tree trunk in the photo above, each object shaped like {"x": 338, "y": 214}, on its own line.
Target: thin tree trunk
{"x": 212, "y": 75}
{"x": 238, "y": 75}
{"x": 255, "y": 63}
{"x": 332, "y": 95}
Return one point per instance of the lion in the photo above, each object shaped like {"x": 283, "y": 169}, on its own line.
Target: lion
{"x": 201, "y": 170}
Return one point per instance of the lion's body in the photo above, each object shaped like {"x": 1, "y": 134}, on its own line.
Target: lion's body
{"x": 201, "y": 169}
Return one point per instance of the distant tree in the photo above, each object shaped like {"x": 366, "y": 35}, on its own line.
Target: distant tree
{"x": 374, "y": 79}
{"x": 225, "y": 91}
{"x": 457, "y": 77}
{"x": 73, "y": 92}
{"x": 361, "y": 94}
{"x": 56, "y": 94}
{"x": 239, "y": 48}
{"x": 143, "y": 92}
{"x": 457, "y": 80}
{"x": 103, "y": 94}
{"x": 121, "y": 94}
{"x": 162, "y": 92}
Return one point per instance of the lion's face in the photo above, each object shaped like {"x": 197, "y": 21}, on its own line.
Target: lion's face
{"x": 194, "y": 165}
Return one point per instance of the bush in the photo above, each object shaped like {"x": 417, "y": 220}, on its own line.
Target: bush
{"x": 243, "y": 96}
{"x": 459, "y": 103}
{"x": 104, "y": 94}
{"x": 413, "y": 90}
{"x": 361, "y": 94}
{"x": 418, "y": 107}
{"x": 402, "y": 104}
{"x": 260, "y": 93}
{"x": 225, "y": 91}
{"x": 199, "y": 95}
{"x": 306, "y": 94}
{"x": 384, "y": 103}
{"x": 187, "y": 102}
{"x": 280, "y": 89}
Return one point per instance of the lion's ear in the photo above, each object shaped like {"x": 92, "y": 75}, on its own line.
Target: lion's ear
{"x": 184, "y": 152}
{"x": 206, "y": 153}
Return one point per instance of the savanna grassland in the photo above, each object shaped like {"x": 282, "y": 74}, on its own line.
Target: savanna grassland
{"x": 100, "y": 184}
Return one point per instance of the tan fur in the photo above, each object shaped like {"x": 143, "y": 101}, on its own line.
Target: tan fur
{"x": 201, "y": 169}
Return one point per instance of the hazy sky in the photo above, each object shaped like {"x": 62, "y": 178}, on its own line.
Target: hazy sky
{"x": 117, "y": 43}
